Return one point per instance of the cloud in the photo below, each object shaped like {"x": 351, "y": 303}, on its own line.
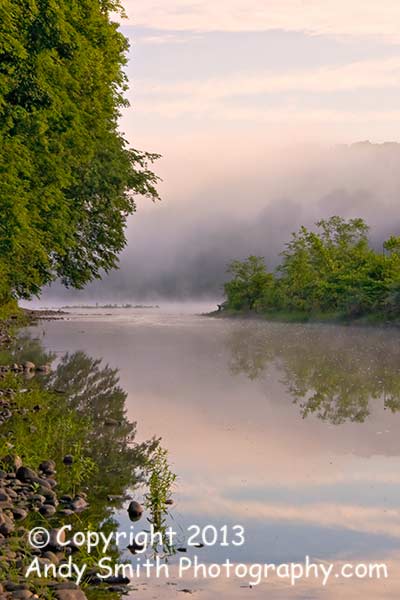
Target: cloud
{"x": 322, "y": 17}
{"x": 352, "y": 517}
{"x": 162, "y": 38}
{"x": 356, "y": 75}
{"x": 228, "y": 97}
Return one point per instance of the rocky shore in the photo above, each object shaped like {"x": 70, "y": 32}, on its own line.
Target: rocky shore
{"x": 52, "y": 451}
{"x": 28, "y": 496}
{"x": 23, "y": 493}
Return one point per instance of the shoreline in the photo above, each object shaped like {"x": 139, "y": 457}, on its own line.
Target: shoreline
{"x": 38, "y": 483}
{"x": 28, "y": 489}
{"x": 305, "y": 319}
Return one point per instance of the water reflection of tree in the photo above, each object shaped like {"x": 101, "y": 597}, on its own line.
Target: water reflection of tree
{"x": 78, "y": 408}
{"x": 24, "y": 348}
{"x": 332, "y": 372}
{"x": 82, "y": 387}
{"x": 93, "y": 391}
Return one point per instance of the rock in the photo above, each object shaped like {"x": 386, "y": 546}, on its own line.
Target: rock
{"x": 56, "y": 535}
{"x": 25, "y": 474}
{"x": 65, "y": 499}
{"x": 22, "y": 594}
{"x": 135, "y": 510}
{"x": 6, "y": 525}
{"x": 29, "y": 366}
{"x": 70, "y": 595}
{"x": 48, "y": 467}
{"x": 53, "y": 558}
{"x": 68, "y": 459}
{"x": 11, "y": 586}
{"x": 38, "y": 499}
{"x": 19, "y": 513}
{"x": 135, "y": 547}
{"x": 43, "y": 369}
{"x": 66, "y": 585}
{"x": 45, "y": 490}
{"x": 66, "y": 512}
{"x": 117, "y": 580}
{"x": 78, "y": 504}
{"x": 47, "y": 510}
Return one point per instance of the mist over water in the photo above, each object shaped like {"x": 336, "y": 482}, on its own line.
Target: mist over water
{"x": 179, "y": 249}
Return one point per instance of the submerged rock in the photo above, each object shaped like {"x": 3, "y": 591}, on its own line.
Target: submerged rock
{"x": 46, "y": 369}
{"x": 135, "y": 510}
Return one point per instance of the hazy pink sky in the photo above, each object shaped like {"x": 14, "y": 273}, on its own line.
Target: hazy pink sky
{"x": 245, "y": 99}
{"x": 297, "y": 70}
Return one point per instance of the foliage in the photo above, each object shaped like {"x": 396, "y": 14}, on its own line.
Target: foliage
{"x": 331, "y": 270}
{"x": 67, "y": 176}
{"x": 160, "y": 482}
{"x": 67, "y": 412}
{"x": 249, "y": 282}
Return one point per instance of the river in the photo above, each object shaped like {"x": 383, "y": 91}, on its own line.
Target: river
{"x": 291, "y": 431}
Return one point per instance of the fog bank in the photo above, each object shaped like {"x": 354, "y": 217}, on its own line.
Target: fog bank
{"x": 216, "y": 208}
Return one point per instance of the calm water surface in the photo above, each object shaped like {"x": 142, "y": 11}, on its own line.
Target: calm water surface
{"x": 290, "y": 430}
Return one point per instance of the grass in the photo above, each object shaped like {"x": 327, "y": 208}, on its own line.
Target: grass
{"x": 159, "y": 496}
{"x": 43, "y": 428}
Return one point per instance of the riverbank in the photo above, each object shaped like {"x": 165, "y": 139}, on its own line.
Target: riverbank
{"x": 30, "y": 496}
{"x": 311, "y": 318}
{"x": 55, "y": 457}
{"x": 13, "y": 317}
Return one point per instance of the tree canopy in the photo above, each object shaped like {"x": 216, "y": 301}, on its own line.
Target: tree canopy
{"x": 330, "y": 270}
{"x": 67, "y": 176}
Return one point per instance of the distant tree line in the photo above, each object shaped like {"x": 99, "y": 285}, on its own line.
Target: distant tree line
{"x": 330, "y": 270}
{"x": 67, "y": 175}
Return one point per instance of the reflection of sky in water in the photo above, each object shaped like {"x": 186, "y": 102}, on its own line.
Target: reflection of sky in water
{"x": 221, "y": 394}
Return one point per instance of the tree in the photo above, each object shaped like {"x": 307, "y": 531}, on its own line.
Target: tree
{"x": 330, "y": 269}
{"x": 250, "y": 279}
{"x": 67, "y": 176}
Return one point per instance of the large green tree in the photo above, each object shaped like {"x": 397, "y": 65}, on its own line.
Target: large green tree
{"x": 249, "y": 282}
{"x": 67, "y": 176}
